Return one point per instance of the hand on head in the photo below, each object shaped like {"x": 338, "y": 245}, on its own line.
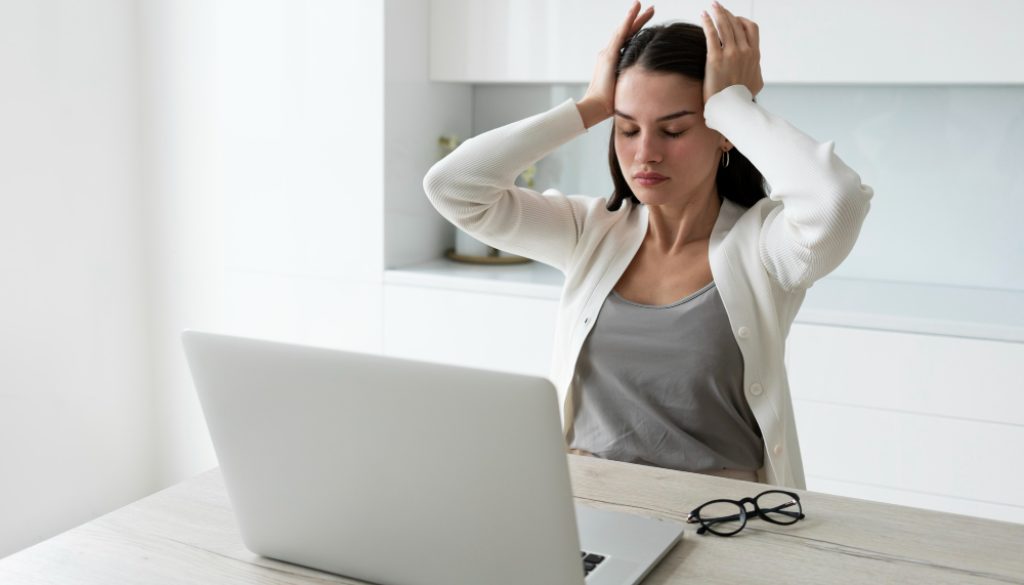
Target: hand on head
{"x": 734, "y": 54}
{"x": 601, "y": 91}
{"x": 734, "y": 57}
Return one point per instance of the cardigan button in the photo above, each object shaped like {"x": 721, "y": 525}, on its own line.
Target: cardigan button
{"x": 756, "y": 389}
{"x": 744, "y": 332}
{"x": 587, "y": 320}
{"x": 777, "y": 449}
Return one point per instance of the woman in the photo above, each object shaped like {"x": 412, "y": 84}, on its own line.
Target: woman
{"x": 695, "y": 272}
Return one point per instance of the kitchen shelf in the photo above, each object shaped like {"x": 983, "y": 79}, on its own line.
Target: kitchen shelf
{"x": 979, "y": 313}
{"x": 533, "y": 279}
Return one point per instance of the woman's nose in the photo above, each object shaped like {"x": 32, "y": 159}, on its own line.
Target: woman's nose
{"x": 647, "y": 150}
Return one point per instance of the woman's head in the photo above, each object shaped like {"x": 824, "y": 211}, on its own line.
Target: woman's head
{"x": 659, "y": 124}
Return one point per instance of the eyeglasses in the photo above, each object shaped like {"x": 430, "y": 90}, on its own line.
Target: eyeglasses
{"x": 727, "y": 517}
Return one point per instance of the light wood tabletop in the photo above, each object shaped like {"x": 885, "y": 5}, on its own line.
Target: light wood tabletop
{"x": 187, "y": 534}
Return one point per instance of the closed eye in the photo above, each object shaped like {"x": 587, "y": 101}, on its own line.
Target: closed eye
{"x": 670, "y": 134}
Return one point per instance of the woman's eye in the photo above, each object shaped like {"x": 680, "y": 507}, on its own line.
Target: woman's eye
{"x": 634, "y": 132}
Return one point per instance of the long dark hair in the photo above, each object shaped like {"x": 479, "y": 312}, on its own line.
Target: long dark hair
{"x": 681, "y": 47}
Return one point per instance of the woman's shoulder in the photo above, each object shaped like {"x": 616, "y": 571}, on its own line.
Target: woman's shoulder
{"x": 739, "y": 223}
{"x": 589, "y": 206}
{"x": 757, "y": 212}
{"x": 592, "y": 216}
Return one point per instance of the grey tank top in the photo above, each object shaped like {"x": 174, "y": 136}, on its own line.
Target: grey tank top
{"x": 663, "y": 385}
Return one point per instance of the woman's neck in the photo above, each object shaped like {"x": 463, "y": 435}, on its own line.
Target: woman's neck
{"x": 670, "y": 228}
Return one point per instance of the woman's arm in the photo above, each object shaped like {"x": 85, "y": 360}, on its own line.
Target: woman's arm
{"x": 474, "y": 188}
{"x": 823, "y": 201}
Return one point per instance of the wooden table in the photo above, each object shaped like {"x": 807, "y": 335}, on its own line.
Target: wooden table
{"x": 187, "y": 534}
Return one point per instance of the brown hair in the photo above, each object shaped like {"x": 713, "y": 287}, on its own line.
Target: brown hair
{"x": 681, "y": 47}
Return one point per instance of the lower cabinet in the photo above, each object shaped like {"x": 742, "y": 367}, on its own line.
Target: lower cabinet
{"x": 480, "y": 330}
{"x": 921, "y": 420}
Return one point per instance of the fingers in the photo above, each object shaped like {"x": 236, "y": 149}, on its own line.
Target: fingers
{"x": 725, "y": 30}
{"x": 711, "y": 34}
{"x": 753, "y": 35}
{"x": 634, "y": 8}
{"x": 633, "y": 22}
{"x": 641, "y": 21}
{"x": 730, "y": 29}
{"x": 624, "y": 28}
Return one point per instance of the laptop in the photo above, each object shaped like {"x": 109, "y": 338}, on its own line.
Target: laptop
{"x": 404, "y": 472}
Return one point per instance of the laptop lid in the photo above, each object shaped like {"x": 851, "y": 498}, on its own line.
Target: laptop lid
{"x": 389, "y": 470}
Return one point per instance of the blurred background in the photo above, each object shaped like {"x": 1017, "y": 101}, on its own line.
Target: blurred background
{"x": 255, "y": 167}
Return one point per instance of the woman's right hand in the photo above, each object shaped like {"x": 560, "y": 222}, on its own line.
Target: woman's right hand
{"x": 598, "y": 102}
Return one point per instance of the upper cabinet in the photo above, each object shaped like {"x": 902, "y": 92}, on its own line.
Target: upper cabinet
{"x": 539, "y": 41}
{"x": 802, "y": 41}
{"x": 880, "y": 41}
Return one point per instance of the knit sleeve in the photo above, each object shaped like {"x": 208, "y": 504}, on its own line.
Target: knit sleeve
{"x": 474, "y": 188}
{"x": 823, "y": 200}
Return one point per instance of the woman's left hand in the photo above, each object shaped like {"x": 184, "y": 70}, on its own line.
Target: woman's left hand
{"x": 734, "y": 54}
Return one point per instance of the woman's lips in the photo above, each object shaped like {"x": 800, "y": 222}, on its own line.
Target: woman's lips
{"x": 649, "y": 182}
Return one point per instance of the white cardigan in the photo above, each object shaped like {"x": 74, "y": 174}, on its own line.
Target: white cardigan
{"x": 762, "y": 259}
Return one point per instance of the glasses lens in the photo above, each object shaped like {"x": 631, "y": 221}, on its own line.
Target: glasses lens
{"x": 780, "y": 507}
{"x": 723, "y": 518}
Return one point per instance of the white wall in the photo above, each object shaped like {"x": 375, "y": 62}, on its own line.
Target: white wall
{"x": 76, "y": 417}
{"x": 168, "y": 164}
{"x": 944, "y": 163}
{"x": 417, "y": 113}
{"x": 264, "y": 140}
{"x": 184, "y": 214}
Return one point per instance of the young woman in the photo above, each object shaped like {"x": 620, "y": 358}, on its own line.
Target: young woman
{"x": 680, "y": 288}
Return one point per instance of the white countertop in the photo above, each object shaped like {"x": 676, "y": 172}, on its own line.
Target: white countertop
{"x": 532, "y": 279}
{"x": 979, "y": 313}
{"x": 958, "y": 311}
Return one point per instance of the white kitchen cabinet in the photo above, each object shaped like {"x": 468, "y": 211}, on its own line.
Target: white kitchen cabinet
{"x": 509, "y": 41}
{"x": 473, "y": 329}
{"x": 802, "y": 41}
{"x": 880, "y": 41}
{"x": 925, "y": 420}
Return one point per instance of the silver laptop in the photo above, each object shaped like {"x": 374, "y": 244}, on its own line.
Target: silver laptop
{"x": 404, "y": 472}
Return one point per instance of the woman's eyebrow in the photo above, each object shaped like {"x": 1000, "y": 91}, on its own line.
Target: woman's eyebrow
{"x": 668, "y": 117}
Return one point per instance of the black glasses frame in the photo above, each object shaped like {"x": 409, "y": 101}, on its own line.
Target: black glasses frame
{"x": 707, "y": 524}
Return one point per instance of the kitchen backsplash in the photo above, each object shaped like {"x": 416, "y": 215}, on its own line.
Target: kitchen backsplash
{"x": 946, "y": 164}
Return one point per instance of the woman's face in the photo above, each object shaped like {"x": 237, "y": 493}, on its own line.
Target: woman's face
{"x": 681, "y": 148}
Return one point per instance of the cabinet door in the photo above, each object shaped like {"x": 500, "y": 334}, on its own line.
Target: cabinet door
{"x": 921, "y": 420}
{"x": 880, "y": 41}
{"x": 480, "y": 330}
{"x": 550, "y": 41}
